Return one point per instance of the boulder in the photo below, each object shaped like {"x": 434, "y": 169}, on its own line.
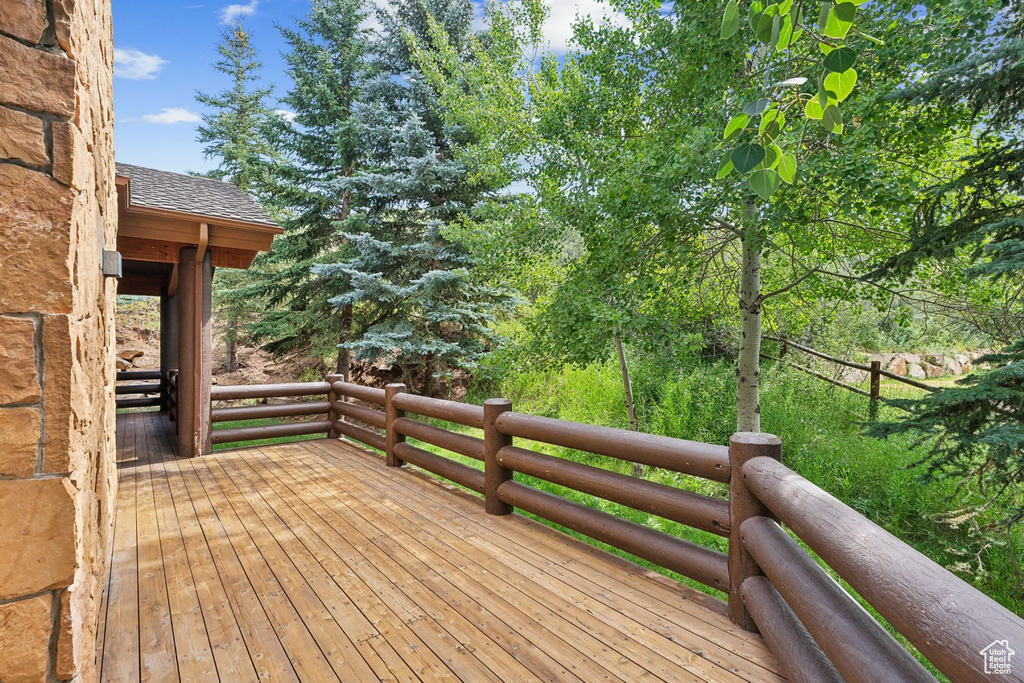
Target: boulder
{"x": 915, "y": 371}
{"x": 953, "y": 366}
{"x": 122, "y": 364}
{"x": 932, "y": 370}
{"x": 130, "y": 354}
{"x": 898, "y": 366}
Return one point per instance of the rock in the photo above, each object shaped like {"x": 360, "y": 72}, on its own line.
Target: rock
{"x": 36, "y": 80}
{"x": 25, "y": 628}
{"x": 57, "y": 421}
{"x": 953, "y": 367}
{"x": 898, "y": 366}
{"x": 935, "y": 358}
{"x": 932, "y": 370}
{"x": 962, "y": 359}
{"x": 122, "y": 365}
{"x": 36, "y": 244}
{"x": 25, "y": 19}
{"x": 19, "y": 382}
{"x": 65, "y": 646}
{"x": 19, "y": 441}
{"x": 276, "y": 401}
{"x": 21, "y": 137}
{"x": 38, "y": 536}
{"x": 853, "y": 376}
{"x": 883, "y": 358}
{"x": 915, "y": 371}
{"x": 131, "y": 354}
{"x": 912, "y": 358}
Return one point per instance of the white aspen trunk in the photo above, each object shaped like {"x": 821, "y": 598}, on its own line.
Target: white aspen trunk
{"x": 627, "y": 390}
{"x": 748, "y": 366}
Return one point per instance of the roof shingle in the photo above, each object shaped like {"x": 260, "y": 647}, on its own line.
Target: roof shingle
{"x": 191, "y": 194}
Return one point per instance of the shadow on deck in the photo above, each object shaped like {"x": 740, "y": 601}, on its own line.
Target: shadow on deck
{"x": 310, "y": 561}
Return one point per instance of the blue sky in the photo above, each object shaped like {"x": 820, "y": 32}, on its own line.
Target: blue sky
{"x": 163, "y": 51}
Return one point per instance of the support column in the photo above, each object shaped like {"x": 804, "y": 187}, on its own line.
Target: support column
{"x": 195, "y": 351}
{"x": 168, "y": 343}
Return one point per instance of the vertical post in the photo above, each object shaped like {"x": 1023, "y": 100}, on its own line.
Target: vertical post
{"x": 494, "y": 474}
{"x": 783, "y": 349}
{"x": 332, "y": 416}
{"x": 195, "y": 276}
{"x": 876, "y": 388}
{"x": 391, "y": 437}
{"x": 743, "y": 505}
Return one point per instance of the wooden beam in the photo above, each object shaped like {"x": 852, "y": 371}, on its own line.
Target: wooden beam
{"x": 225, "y": 257}
{"x": 172, "y": 286}
{"x": 137, "y": 249}
{"x": 204, "y": 240}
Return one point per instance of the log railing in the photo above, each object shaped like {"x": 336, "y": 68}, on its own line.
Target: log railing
{"x": 317, "y": 410}
{"x": 143, "y": 394}
{"x": 817, "y": 629}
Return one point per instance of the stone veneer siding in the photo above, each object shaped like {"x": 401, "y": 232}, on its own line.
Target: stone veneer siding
{"x": 57, "y": 207}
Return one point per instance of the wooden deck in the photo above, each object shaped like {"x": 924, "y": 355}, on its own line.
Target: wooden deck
{"x": 311, "y": 561}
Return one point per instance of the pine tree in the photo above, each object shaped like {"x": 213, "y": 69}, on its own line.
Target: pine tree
{"x": 977, "y": 427}
{"x": 313, "y": 187}
{"x": 414, "y": 299}
{"x": 235, "y": 134}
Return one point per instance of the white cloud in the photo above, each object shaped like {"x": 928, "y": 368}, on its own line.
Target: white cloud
{"x": 232, "y": 12}
{"x": 136, "y": 65}
{"x": 558, "y": 27}
{"x": 172, "y": 115}
{"x": 285, "y": 114}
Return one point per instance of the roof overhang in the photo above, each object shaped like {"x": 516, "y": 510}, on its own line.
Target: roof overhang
{"x": 147, "y": 235}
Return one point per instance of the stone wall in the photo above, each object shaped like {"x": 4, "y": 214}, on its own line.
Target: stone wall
{"x": 57, "y": 211}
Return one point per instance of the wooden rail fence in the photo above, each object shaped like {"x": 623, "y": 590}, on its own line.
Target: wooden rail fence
{"x": 874, "y": 371}
{"x": 143, "y": 394}
{"x": 816, "y": 628}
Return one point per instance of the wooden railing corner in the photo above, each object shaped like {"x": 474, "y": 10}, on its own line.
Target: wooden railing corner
{"x": 392, "y": 413}
{"x": 743, "y": 505}
{"x": 494, "y": 473}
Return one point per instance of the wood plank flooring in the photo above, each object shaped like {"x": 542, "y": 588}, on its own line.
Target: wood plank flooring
{"x": 311, "y": 561}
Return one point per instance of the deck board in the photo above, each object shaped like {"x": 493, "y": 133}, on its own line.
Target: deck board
{"x": 311, "y": 561}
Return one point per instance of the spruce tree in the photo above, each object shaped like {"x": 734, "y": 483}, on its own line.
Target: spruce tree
{"x": 235, "y": 134}
{"x": 415, "y": 301}
{"x": 313, "y": 186}
{"x": 976, "y": 429}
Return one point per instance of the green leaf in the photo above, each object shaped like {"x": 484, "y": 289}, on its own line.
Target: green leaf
{"x": 764, "y": 182}
{"x": 787, "y": 168}
{"x": 776, "y": 30}
{"x": 840, "y": 60}
{"x": 725, "y": 169}
{"x": 747, "y": 156}
{"x": 772, "y": 155}
{"x": 838, "y": 26}
{"x": 785, "y": 35}
{"x": 772, "y": 116}
{"x": 823, "y": 15}
{"x": 736, "y": 123}
{"x": 757, "y": 106}
{"x": 832, "y": 119}
{"x": 764, "y": 26}
{"x": 731, "y": 19}
{"x": 813, "y": 109}
{"x": 841, "y": 83}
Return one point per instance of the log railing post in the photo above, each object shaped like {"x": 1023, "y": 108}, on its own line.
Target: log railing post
{"x": 875, "y": 389}
{"x": 333, "y": 416}
{"x": 743, "y": 505}
{"x": 391, "y": 437}
{"x": 494, "y": 474}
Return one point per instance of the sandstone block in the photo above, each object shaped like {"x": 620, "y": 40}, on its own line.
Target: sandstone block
{"x": 25, "y": 19}
{"x": 21, "y": 137}
{"x": 19, "y": 441}
{"x": 35, "y": 79}
{"x": 898, "y": 366}
{"x": 59, "y": 384}
{"x": 932, "y": 370}
{"x": 19, "y": 382}
{"x": 65, "y": 646}
{"x": 38, "y": 536}
{"x": 35, "y": 250}
{"x": 25, "y": 628}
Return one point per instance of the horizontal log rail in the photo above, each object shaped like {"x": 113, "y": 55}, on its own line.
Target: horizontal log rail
{"x": 320, "y": 411}
{"x": 224, "y": 393}
{"x": 262, "y": 412}
{"x": 374, "y": 418}
{"x": 463, "y": 475}
{"x": 219, "y": 436}
{"x": 689, "y": 457}
{"x": 131, "y": 375}
{"x": 143, "y": 402}
{"x": 144, "y": 388}
{"x": 686, "y": 507}
{"x": 359, "y": 392}
{"x": 689, "y": 559}
{"x": 449, "y": 411}
{"x": 469, "y": 446}
{"x": 949, "y": 621}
